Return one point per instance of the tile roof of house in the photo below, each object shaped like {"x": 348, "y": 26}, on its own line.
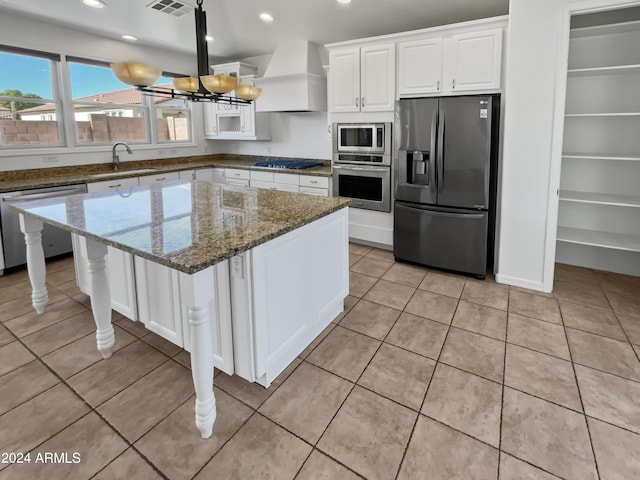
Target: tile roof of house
{"x": 126, "y": 96}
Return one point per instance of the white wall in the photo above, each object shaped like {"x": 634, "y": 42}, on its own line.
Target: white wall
{"x": 533, "y": 123}
{"x": 302, "y": 135}
{"x": 24, "y": 32}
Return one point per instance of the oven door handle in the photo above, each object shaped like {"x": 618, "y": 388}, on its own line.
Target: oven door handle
{"x": 360, "y": 169}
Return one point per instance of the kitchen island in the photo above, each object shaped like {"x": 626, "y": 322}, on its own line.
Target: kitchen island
{"x": 269, "y": 267}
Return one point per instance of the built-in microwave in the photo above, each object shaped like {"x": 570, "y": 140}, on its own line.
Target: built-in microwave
{"x": 362, "y": 138}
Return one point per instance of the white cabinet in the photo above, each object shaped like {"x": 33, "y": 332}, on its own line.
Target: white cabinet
{"x": 235, "y": 176}
{"x": 161, "y": 309}
{"x": 159, "y": 178}
{"x": 290, "y": 182}
{"x": 225, "y": 121}
{"x": 187, "y": 174}
{"x": 599, "y": 199}
{"x": 362, "y": 79}
{"x": 284, "y": 292}
{"x": 120, "y": 267}
{"x": 420, "y": 66}
{"x": 451, "y": 64}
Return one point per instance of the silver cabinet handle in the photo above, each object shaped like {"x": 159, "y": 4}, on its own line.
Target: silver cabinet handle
{"x": 453, "y": 83}
{"x": 356, "y": 101}
{"x": 242, "y": 129}
{"x": 362, "y": 102}
{"x": 438, "y": 85}
{"x": 313, "y": 181}
{"x": 115, "y": 186}
{"x": 161, "y": 179}
{"x": 329, "y": 128}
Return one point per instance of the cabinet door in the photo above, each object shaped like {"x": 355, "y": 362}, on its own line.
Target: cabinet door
{"x": 420, "y": 67}
{"x": 474, "y": 61}
{"x": 206, "y": 174}
{"x": 210, "y": 127}
{"x": 219, "y": 317}
{"x": 344, "y": 80}
{"x": 248, "y": 120}
{"x": 377, "y": 78}
{"x": 159, "y": 299}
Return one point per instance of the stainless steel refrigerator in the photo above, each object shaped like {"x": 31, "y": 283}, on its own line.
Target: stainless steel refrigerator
{"x": 445, "y": 181}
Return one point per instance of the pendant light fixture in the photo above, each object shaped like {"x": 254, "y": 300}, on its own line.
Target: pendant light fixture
{"x": 204, "y": 88}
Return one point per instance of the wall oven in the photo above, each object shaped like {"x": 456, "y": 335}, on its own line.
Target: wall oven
{"x": 362, "y": 164}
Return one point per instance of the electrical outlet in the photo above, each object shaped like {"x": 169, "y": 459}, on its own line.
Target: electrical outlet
{"x": 236, "y": 267}
{"x": 269, "y": 150}
{"x": 51, "y": 159}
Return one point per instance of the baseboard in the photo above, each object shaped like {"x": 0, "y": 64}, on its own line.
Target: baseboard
{"x": 520, "y": 282}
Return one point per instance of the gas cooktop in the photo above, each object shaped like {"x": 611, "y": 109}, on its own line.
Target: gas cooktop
{"x": 290, "y": 164}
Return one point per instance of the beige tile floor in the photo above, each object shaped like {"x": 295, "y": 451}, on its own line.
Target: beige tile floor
{"x": 425, "y": 376}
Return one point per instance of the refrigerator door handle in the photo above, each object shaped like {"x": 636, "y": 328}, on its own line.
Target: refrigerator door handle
{"x": 440, "y": 155}
{"x": 432, "y": 160}
{"x": 437, "y": 213}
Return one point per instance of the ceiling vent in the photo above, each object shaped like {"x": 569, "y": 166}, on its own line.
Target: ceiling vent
{"x": 171, "y": 7}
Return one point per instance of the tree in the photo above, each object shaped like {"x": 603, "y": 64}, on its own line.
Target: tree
{"x": 16, "y": 106}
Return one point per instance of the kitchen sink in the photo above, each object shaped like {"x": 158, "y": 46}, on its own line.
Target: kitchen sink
{"x": 123, "y": 172}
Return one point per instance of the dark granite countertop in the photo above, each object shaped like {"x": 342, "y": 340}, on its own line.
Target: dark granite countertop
{"x": 184, "y": 224}
{"x": 52, "y": 177}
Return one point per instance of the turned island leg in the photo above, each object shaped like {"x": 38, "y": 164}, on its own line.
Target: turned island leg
{"x": 100, "y": 295}
{"x": 197, "y": 291}
{"x": 32, "y": 229}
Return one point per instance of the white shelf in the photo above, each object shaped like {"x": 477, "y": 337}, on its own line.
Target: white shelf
{"x": 614, "y": 28}
{"x": 610, "y": 114}
{"x": 610, "y": 70}
{"x": 604, "y": 156}
{"x": 600, "y": 198}
{"x": 616, "y": 241}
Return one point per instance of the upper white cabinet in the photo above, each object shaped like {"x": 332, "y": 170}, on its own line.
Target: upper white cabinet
{"x": 420, "y": 66}
{"x": 235, "y": 121}
{"x": 450, "y": 64}
{"x": 362, "y": 79}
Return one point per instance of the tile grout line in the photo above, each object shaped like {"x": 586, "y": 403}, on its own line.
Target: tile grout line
{"x": 504, "y": 381}
{"x": 424, "y": 398}
{"x": 584, "y": 414}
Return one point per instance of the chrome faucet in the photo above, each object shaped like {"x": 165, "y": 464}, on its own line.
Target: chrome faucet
{"x": 116, "y": 158}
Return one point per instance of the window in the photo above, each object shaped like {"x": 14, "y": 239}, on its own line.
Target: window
{"x": 106, "y": 110}
{"x": 99, "y": 109}
{"x": 29, "y": 107}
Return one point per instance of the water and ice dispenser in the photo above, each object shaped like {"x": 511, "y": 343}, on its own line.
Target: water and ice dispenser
{"x": 414, "y": 167}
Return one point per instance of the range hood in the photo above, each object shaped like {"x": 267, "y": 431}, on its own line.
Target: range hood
{"x": 293, "y": 81}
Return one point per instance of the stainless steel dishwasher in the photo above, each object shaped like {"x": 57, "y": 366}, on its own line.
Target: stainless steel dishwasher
{"x": 54, "y": 240}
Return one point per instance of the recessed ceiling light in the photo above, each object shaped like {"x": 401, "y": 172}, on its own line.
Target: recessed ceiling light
{"x": 265, "y": 17}
{"x": 129, "y": 37}
{"x": 94, "y": 3}
{"x": 344, "y": 2}
{"x": 209, "y": 38}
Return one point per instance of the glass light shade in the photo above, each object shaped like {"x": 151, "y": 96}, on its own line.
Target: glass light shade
{"x": 219, "y": 83}
{"x": 136, "y": 74}
{"x": 248, "y": 92}
{"x": 186, "y": 84}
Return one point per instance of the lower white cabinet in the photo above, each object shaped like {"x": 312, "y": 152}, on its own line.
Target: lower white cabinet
{"x": 160, "y": 177}
{"x": 162, "y": 311}
{"x": 285, "y": 292}
{"x": 290, "y": 182}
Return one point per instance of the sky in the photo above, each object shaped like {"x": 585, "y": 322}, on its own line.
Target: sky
{"x": 32, "y": 75}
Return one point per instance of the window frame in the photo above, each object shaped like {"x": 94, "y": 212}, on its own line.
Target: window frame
{"x": 65, "y": 111}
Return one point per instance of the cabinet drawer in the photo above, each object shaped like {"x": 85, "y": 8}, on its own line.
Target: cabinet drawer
{"x": 321, "y": 192}
{"x": 261, "y": 176}
{"x": 159, "y": 177}
{"x": 290, "y": 178}
{"x": 238, "y": 174}
{"x": 314, "y": 182}
{"x": 120, "y": 183}
{"x": 238, "y": 181}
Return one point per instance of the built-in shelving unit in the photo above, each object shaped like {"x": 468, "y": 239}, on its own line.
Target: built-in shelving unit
{"x": 599, "y": 211}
